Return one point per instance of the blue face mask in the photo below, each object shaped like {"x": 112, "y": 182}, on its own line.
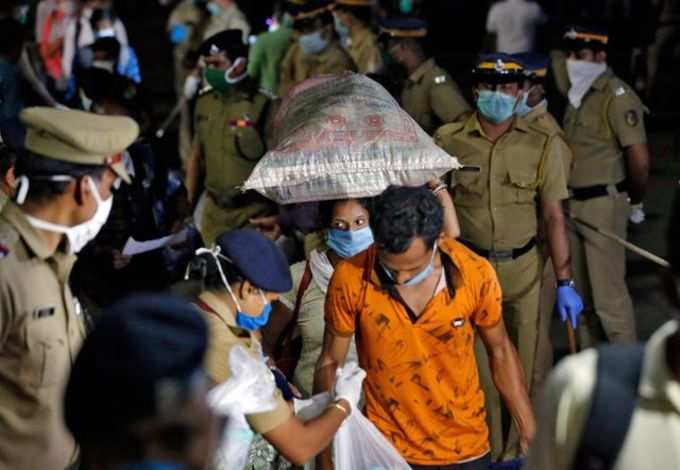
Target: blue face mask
{"x": 406, "y": 6}
{"x": 342, "y": 30}
{"x": 418, "y": 278}
{"x": 496, "y": 106}
{"x": 313, "y": 43}
{"x": 522, "y": 107}
{"x": 253, "y": 323}
{"x": 214, "y": 9}
{"x": 347, "y": 243}
{"x": 152, "y": 465}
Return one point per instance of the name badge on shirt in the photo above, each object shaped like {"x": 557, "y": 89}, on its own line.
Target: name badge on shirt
{"x": 43, "y": 312}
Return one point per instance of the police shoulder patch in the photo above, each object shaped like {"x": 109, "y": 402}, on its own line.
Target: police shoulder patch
{"x": 620, "y": 91}
{"x": 632, "y": 118}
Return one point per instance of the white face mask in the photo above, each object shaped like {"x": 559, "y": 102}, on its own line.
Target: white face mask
{"x": 106, "y": 33}
{"x": 79, "y": 235}
{"x": 582, "y": 75}
{"x": 233, "y": 80}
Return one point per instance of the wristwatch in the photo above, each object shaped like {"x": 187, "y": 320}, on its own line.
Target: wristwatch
{"x": 565, "y": 283}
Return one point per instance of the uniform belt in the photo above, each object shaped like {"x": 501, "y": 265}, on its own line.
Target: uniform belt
{"x": 599, "y": 190}
{"x": 501, "y": 255}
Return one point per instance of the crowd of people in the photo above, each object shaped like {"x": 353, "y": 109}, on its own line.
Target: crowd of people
{"x": 129, "y": 283}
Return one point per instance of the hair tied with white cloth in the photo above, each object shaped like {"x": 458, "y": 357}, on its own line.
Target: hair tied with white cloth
{"x": 216, "y": 252}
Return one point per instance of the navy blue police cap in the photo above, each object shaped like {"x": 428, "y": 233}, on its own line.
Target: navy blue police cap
{"x": 257, "y": 259}
{"x": 535, "y": 65}
{"x": 143, "y": 360}
{"x": 577, "y": 37}
{"x": 229, "y": 41}
{"x": 403, "y": 27}
{"x": 498, "y": 68}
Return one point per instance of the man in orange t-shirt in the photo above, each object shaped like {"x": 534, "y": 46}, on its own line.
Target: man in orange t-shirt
{"x": 415, "y": 301}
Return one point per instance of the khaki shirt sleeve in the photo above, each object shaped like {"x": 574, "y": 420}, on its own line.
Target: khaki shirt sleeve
{"x": 626, "y": 118}
{"x": 554, "y": 182}
{"x": 287, "y": 80}
{"x": 447, "y": 100}
{"x": 559, "y": 71}
{"x": 262, "y": 423}
{"x": 562, "y": 412}
{"x": 216, "y": 360}
{"x": 564, "y": 154}
{"x": 296, "y": 272}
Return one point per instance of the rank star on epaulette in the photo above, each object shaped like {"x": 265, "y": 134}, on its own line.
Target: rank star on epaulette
{"x": 4, "y": 251}
{"x": 620, "y": 91}
{"x": 440, "y": 79}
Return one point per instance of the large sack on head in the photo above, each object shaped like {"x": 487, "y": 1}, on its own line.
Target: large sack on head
{"x": 343, "y": 137}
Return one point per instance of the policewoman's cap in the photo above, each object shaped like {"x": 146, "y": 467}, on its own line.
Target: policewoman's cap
{"x": 78, "y": 137}
{"x": 229, "y": 41}
{"x": 535, "y": 64}
{"x": 403, "y": 28}
{"x": 142, "y": 360}
{"x": 498, "y": 68}
{"x": 311, "y": 9}
{"x": 257, "y": 258}
{"x": 581, "y": 37}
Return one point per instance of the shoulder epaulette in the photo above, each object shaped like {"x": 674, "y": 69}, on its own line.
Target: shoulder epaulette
{"x": 451, "y": 128}
{"x": 268, "y": 93}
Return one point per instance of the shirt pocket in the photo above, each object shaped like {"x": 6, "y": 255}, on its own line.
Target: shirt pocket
{"x": 45, "y": 361}
{"x": 521, "y": 186}
{"x": 469, "y": 186}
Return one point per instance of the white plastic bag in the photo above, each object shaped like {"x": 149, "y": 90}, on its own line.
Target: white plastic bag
{"x": 358, "y": 445}
{"x": 250, "y": 389}
{"x": 341, "y": 137}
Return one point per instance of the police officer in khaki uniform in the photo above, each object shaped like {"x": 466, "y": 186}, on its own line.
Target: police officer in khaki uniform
{"x": 604, "y": 124}
{"x": 316, "y": 50}
{"x": 534, "y": 108}
{"x": 243, "y": 273}
{"x": 69, "y": 164}
{"x": 498, "y": 210}
{"x": 429, "y": 95}
{"x": 229, "y": 123}
{"x": 353, "y": 25}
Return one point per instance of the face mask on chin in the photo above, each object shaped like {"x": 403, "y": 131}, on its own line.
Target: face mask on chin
{"x": 79, "y": 235}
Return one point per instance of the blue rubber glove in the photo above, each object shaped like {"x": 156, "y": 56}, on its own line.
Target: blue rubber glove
{"x": 569, "y": 304}
{"x": 178, "y": 33}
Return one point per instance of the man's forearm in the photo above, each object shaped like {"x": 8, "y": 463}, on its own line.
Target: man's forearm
{"x": 559, "y": 246}
{"x": 508, "y": 376}
{"x": 637, "y": 158}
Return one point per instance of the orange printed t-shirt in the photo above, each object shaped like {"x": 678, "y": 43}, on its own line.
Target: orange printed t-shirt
{"x": 422, "y": 387}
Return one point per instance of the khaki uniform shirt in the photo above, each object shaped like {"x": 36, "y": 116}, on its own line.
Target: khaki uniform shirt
{"x": 610, "y": 118}
{"x": 230, "y": 18}
{"x": 223, "y": 334}
{"x": 432, "y": 98}
{"x": 540, "y": 116}
{"x": 363, "y": 48}
{"x": 41, "y": 331}
{"x": 298, "y": 66}
{"x": 497, "y": 206}
{"x": 229, "y": 128}
{"x": 654, "y": 433}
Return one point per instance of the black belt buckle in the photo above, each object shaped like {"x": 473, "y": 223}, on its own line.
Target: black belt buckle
{"x": 500, "y": 255}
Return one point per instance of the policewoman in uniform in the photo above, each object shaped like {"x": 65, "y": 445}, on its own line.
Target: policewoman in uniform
{"x": 243, "y": 274}
{"x": 604, "y": 124}
{"x": 68, "y": 166}
{"x": 230, "y": 138}
{"x": 498, "y": 209}
{"x": 429, "y": 95}
{"x": 534, "y": 108}
{"x": 353, "y": 25}
{"x": 316, "y": 49}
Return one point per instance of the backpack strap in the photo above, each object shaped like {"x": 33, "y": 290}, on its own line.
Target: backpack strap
{"x": 618, "y": 377}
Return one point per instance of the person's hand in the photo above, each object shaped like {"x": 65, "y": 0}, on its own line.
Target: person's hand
{"x": 637, "y": 215}
{"x": 348, "y": 383}
{"x": 569, "y": 304}
{"x": 120, "y": 260}
{"x": 268, "y": 226}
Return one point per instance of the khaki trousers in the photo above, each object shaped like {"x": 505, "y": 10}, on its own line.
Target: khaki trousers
{"x": 520, "y": 283}
{"x": 546, "y": 312}
{"x": 599, "y": 268}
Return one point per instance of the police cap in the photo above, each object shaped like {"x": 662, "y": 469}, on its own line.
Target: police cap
{"x": 142, "y": 360}
{"x": 257, "y": 259}
{"x": 498, "y": 68}
{"x": 78, "y": 137}
{"x": 403, "y": 28}
{"x": 230, "y": 42}
{"x": 578, "y": 37}
{"x": 535, "y": 65}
